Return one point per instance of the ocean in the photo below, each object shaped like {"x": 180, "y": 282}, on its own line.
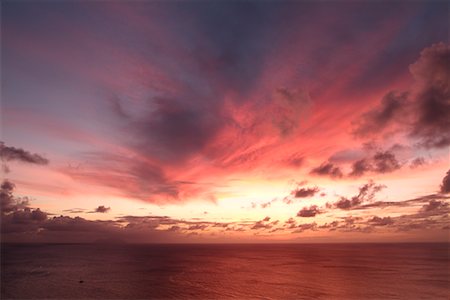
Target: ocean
{"x": 222, "y": 271}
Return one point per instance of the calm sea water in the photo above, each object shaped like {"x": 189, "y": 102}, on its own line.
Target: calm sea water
{"x": 325, "y": 271}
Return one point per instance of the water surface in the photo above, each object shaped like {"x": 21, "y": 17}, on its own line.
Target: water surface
{"x": 299, "y": 271}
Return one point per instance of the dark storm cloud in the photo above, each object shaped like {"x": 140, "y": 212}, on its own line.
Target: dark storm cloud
{"x": 422, "y": 113}
{"x": 308, "y": 212}
{"x": 445, "y": 186}
{"x": 305, "y": 192}
{"x": 327, "y": 169}
{"x": 11, "y": 153}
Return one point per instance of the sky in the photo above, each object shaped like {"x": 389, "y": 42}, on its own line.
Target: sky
{"x": 227, "y": 122}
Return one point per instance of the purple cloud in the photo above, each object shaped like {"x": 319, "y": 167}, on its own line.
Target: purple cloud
{"x": 11, "y": 153}
{"x": 308, "y": 212}
{"x": 327, "y": 169}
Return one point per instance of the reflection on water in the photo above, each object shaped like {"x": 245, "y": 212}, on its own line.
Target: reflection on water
{"x": 321, "y": 271}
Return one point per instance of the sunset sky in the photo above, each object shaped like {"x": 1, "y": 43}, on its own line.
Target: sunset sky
{"x": 225, "y": 121}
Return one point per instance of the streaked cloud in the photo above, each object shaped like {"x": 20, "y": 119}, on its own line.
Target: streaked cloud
{"x": 8, "y": 153}
{"x": 165, "y": 111}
